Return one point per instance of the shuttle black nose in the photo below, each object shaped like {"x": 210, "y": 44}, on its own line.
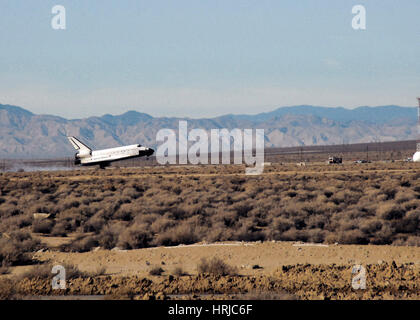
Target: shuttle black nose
{"x": 149, "y": 152}
{"x": 146, "y": 152}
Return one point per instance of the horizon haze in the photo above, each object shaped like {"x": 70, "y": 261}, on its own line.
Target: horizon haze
{"x": 24, "y": 134}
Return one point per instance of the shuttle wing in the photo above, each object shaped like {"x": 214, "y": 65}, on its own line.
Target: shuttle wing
{"x": 78, "y": 145}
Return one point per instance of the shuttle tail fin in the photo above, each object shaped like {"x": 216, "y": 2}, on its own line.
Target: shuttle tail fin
{"x": 77, "y": 144}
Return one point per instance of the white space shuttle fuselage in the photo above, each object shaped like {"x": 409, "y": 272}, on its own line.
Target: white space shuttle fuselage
{"x": 85, "y": 156}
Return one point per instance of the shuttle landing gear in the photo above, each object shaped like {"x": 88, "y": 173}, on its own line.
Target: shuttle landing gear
{"x": 103, "y": 165}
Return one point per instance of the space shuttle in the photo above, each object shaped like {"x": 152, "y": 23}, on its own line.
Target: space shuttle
{"x": 85, "y": 156}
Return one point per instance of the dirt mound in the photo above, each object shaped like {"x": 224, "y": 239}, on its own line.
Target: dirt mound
{"x": 384, "y": 281}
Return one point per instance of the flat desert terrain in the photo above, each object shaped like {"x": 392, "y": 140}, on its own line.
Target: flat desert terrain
{"x": 211, "y": 232}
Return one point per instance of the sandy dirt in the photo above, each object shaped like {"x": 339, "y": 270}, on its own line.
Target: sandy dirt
{"x": 243, "y": 255}
{"x": 270, "y": 270}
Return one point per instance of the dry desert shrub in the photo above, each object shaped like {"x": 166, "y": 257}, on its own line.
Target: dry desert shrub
{"x": 95, "y": 223}
{"x": 82, "y": 243}
{"x": 15, "y": 249}
{"x": 182, "y": 234}
{"x": 8, "y": 290}
{"x": 412, "y": 241}
{"x": 108, "y": 237}
{"x": 4, "y": 270}
{"x": 179, "y": 272}
{"x": 215, "y": 266}
{"x": 44, "y": 271}
{"x": 354, "y": 236}
{"x": 135, "y": 237}
{"x": 61, "y": 229}
{"x": 156, "y": 271}
{"x": 390, "y": 211}
{"x": 42, "y": 226}
{"x": 115, "y": 208}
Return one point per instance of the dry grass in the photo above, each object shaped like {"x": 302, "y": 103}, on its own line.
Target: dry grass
{"x": 216, "y": 267}
{"x": 179, "y": 272}
{"x": 43, "y": 271}
{"x": 8, "y": 289}
{"x": 156, "y": 271}
{"x": 15, "y": 248}
{"x": 167, "y": 206}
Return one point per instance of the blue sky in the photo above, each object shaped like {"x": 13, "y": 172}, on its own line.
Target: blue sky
{"x": 206, "y": 57}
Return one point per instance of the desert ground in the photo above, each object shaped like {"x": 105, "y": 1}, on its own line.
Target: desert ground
{"x": 200, "y": 232}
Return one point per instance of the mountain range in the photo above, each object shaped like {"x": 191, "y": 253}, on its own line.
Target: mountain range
{"x": 24, "y": 134}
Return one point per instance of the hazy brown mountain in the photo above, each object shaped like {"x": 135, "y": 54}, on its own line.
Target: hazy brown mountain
{"x": 27, "y": 135}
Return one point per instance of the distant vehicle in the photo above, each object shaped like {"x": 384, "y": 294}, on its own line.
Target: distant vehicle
{"x": 332, "y": 160}
{"x": 361, "y": 161}
{"x": 409, "y": 159}
{"x": 86, "y": 157}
